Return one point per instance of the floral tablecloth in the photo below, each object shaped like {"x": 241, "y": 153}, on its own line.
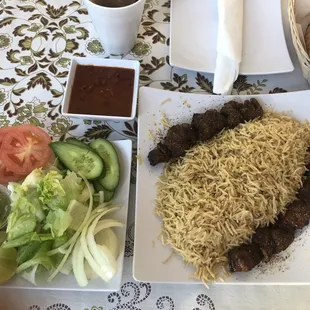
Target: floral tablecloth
{"x": 37, "y": 40}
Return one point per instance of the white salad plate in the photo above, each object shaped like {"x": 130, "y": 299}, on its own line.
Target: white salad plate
{"x": 289, "y": 267}
{"x": 64, "y": 282}
{"x": 194, "y": 37}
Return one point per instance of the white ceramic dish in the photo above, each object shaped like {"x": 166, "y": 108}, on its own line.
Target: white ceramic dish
{"x": 63, "y": 282}
{"x": 120, "y": 63}
{"x": 149, "y": 253}
{"x": 194, "y": 37}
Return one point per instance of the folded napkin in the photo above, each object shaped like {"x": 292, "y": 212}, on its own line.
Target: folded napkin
{"x": 229, "y": 45}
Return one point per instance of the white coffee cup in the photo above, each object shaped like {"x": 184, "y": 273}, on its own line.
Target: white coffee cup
{"x": 116, "y": 27}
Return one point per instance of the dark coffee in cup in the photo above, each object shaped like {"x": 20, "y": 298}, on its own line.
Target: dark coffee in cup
{"x": 114, "y": 3}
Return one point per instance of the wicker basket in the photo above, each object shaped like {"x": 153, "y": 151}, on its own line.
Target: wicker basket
{"x": 303, "y": 57}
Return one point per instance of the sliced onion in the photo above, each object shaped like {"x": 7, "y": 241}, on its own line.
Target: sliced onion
{"x": 108, "y": 238}
{"x": 90, "y": 273}
{"x": 107, "y": 223}
{"x": 78, "y": 265}
{"x": 101, "y": 269}
{"x": 67, "y": 267}
{"x": 104, "y": 257}
{"x": 101, "y": 197}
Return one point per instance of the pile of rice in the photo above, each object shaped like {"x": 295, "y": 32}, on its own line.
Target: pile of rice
{"x": 221, "y": 191}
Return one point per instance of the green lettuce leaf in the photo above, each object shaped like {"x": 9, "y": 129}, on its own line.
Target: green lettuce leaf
{"x": 73, "y": 186}
{"x": 57, "y": 191}
{"x": 19, "y": 225}
{"x": 58, "y": 222}
{"x": 59, "y": 241}
{"x": 3, "y": 236}
{"x": 8, "y": 264}
{"x": 49, "y": 187}
{"x": 32, "y": 180}
{"x": 27, "y": 238}
{"x": 26, "y": 252}
{"x": 26, "y": 210}
{"x": 40, "y": 258}
{"x": 26, "y": 200}
{"x": 78, "y": 212}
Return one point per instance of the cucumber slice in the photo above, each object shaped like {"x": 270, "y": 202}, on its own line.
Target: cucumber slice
{"x": 110, "y": 158}
{"x": 97, "y": 186}
{"x": 77, "y": 142}
{"x": 108, "y": 195}
{"x": 60, "y": 166}
{"x": 79, "y": 159}
{"x": 82, "y": 144}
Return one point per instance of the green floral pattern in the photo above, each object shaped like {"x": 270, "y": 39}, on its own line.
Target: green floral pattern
{"x": 34, "y": 27}
{"x": 69, "y": 29}
{"x": 26, "y": 60}
{"x": 141, "y": 49}
{"x": 63, "y": 62}
{"x": 33, "y": 112}
{"x": 60, "y": 127}
{"x": 3, "y": 96}
{"x": 5, "y": 41}
{"x": 94, "y": 47}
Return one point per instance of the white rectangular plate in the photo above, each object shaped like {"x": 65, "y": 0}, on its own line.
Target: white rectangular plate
{"x": 63, "y": 282}
{"x": 194, "y": 26}
{"x": 149, "y": 253}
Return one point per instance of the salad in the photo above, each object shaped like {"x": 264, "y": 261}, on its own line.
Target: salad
{"x": 60, "y": 213}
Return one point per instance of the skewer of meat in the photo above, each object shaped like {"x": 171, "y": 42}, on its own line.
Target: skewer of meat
{"x": 203, "y": 127}
{"x": 276, "y": 238}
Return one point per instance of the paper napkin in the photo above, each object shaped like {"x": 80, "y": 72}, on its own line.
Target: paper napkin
{"x": 229, "y": 45}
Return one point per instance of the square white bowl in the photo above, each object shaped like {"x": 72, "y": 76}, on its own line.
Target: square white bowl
{"x": 99, "y": 62}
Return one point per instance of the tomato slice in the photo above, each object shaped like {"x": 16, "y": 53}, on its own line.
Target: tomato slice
{"x": 35, "y": 131}
{"x": 3, "y": 133}
{"x": 7, "y": 176}
{"x": 25, "y": 148}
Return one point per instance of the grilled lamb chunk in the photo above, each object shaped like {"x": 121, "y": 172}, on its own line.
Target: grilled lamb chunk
{"x": 297, "y": 216}
{"x": 263, "y": 239}
{"x": 251, "y": 110}
{"x": 304, "y": 192}
{"x": 282, "y": 238}
{"x": 159, "y": 155}
{"x": 245, "y": 257}
{"x": 232, "y": 111}
{"x": 209, "y": 124}
{"x": 180, "y": 138}
{"x": 196, "y": 120}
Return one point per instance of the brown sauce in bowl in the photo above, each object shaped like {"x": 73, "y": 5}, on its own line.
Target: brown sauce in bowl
{"x": 102, "y": 91}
